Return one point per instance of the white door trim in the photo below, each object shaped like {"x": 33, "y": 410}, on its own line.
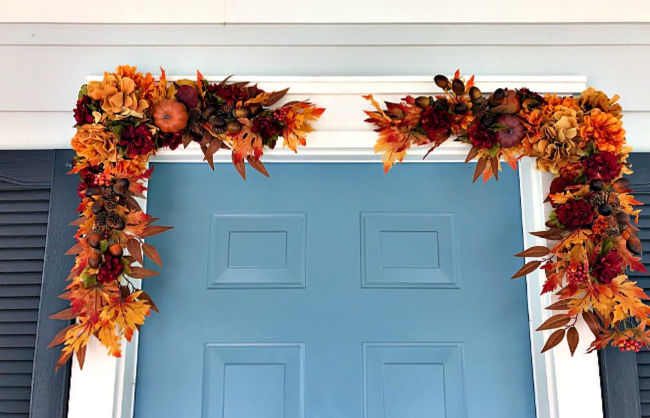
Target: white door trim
{"x": 106, "y": 385}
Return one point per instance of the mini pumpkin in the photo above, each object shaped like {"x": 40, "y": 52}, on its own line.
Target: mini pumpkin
{"x": 170, "y": 116}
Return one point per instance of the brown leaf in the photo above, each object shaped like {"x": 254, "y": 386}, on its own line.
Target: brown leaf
{"x": 275, "y": 97}
{"x": 133, "y": 245}
{"x": 133, "y": 204}
{"x": 187, "y": 139}
{"x": 536, "y": 251}
{"x": 560, "y": 305}
{"x": 65, "y": 314}
{"x": 62, "y": 360}
{"x": 471, "y": 154}
{"x": 592, "y": 322}
{"x": 552, "y": 234}
{"x": 527, "y": 268}
{"x": 556, "y": 321}
{"x": 152, "y": 253}
{"x": 480, "y": 167}
{"x": 554, "y": 340}
{"x": 142, "y": 273}
{"x": 78, "y": 221}
{"x": 81, "y": 356}
{"x": 76, "y": 249}
{"x": 145, "y": 296}
{"x": 241, "y": 168}
{"x": 257, "y": 165}
{"x": 60, "y": 336}
{"x": 494, "y": 163}
{"x": 156, "y": 229}
{"x": 572, "y": 338}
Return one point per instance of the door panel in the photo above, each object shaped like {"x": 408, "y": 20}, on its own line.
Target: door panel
{"x": 332, "y": 290}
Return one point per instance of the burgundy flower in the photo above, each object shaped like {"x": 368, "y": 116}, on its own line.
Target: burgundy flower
{"x": 188, "y": 96}
{"x": 171, "y": 140}
{"x": 436, "y": 122}
{"x": 229, "y": 92}
{"x": 607, "y": 267}
{"x": 82, "y": 113}
{"x": 480, "y": 136}
{"x": 575, "y": 214}
{"x": 110, "y": 269}
{"x": 88, "y": 176}
{"x": 602, "y": 166}
{"x": 265, "y": 127}
{"x": 137, "y": 141}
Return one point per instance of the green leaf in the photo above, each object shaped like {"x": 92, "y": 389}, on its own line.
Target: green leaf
{"x": 553, "y": 221}
{"x": 607, "y": 246}
{"x": 103, "y": 246}
{"x": 590, "y": 149}
{"x": 83, "y": 91}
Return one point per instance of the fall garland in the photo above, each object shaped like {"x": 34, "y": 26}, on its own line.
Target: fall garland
{"x": 582, "y": 142}
{"x": 121, "y": 122}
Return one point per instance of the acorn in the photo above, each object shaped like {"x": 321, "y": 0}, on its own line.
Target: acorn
{"x": 255, "y": 108}
{"x": 94, "y": 239}
{"x": 92, "y": 191}
{"x": 605, "y": 209}
{"x": 596, "y": 185}
{"x": 460, "y": 108}
{"x": 234, "y": 127}
{"x": 475, "y": 93}
{"x": 208, "y": 111}
{"x": 498, "y": 95}
{"x": 98, "y": 206}
{"x": 115, "y": 250}
{"x": 441, "y": 81}
{"x": 423, "y": 102}
{"x": 622, "y": 218}
{"x": 94, "y": 260}
{"x": 622, "y": 185}
{"x": 241, "y": 112}
{"x": 458, "y": 86}
{"x": 634, "y": 245}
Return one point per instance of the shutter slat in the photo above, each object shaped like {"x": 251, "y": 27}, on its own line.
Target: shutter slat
{"x": 14, "y": 407}
{"x": 23, "y": 229}
{"x": 24, "y": 241}
{"x": 19, "y": 302}
{"x": 21, "y": 278}
{"x": 17, "y": 266}
{"x": 16, "y": 380}
{"x": 27, "y": 254}
{"x": 17, "y": 341}
{"x": 17, "y": 328}
{"x": 18, "y": 315}
{"x": 33, "y": 290}
{"x": 14, "y": 394}
{"x": 25, "y": 194}
{"x": 24, "y": 205}
{"x": 16, "y": 367}
{"x": 23, "y": 218}
{"x": 10, "y": 354}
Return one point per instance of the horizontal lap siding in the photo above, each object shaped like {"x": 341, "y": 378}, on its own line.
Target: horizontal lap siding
{"x": 24, "y": 210}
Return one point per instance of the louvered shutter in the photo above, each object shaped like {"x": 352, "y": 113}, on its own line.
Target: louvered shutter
{"x": 23, "y": 226}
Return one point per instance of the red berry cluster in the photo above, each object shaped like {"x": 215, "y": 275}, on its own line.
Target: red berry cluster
{"x": 577, "y": 273}
{"x": 110, "y": 270}
{"x": 629, "y": 344}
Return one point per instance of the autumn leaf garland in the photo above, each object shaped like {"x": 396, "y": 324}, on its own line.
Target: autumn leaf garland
{"x": 122, "y": 121}
{"x": 592, "y": 225}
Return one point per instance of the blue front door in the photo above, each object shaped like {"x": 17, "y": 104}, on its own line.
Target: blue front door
{"x": 335, "y": 291}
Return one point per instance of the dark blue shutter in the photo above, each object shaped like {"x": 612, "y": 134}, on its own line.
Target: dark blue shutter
{"x": 625, "y": 377}
{"x": 26, "y": 218}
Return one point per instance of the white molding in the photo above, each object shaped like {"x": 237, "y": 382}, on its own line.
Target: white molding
{"x": 342, "y": 136}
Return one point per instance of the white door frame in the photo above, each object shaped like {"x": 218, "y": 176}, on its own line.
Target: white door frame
{"x": 565, "y": 387}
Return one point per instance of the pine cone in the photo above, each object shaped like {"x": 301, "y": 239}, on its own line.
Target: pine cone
{"x": 226, "y": 110}
{"x": 613, "y": 231}
{"x": 100, "y": 219}
{"x": 115, "y": 221}
{"x": 599, "y": 198}
{"x": 110, "y": 204}
{"x": 108, "y": 192}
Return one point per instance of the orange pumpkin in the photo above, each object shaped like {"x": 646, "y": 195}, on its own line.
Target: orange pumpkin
{"x": 170, "y": 116}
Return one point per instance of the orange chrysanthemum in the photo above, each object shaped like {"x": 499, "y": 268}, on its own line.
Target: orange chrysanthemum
{"x": 604, "y": 129}
{"x": 95, "y": 144}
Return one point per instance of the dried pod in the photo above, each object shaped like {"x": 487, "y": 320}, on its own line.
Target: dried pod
{"x": 634, "y": 245}
{"x": 115, "y": 250}
{"x": 98, "y": 206}
{"x": 94, "y": 239}
{"x": 441, "y": 81}
{"x": 208, "y": 111}
{"x": 596, "y": 185}
{"x": 423, "y": 102}
{"x": 255, "y": 108}
{"x": 94, "y": 260}
{"x": 241, "y": 112}
{"x": 605, "y": 209}
{"x": 92, "y": 191}
{"x": 460, "y": 108}
{"x": 122, "y": 185}
{"x": 622, "y": 218}
{"x": 458, "y": 86}
{"x": 475, "y": 93}
{"x": 115, "y": 221}
{"x": 234, "y": 127}
{"x": 498, "y": 96}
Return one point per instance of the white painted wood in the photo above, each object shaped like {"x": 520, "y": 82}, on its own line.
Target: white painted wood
{"x": 119, "y": 11}
{"x": 313, "y": 11}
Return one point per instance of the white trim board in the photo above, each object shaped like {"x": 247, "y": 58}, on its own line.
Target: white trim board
{"x": 107, "y": 385}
